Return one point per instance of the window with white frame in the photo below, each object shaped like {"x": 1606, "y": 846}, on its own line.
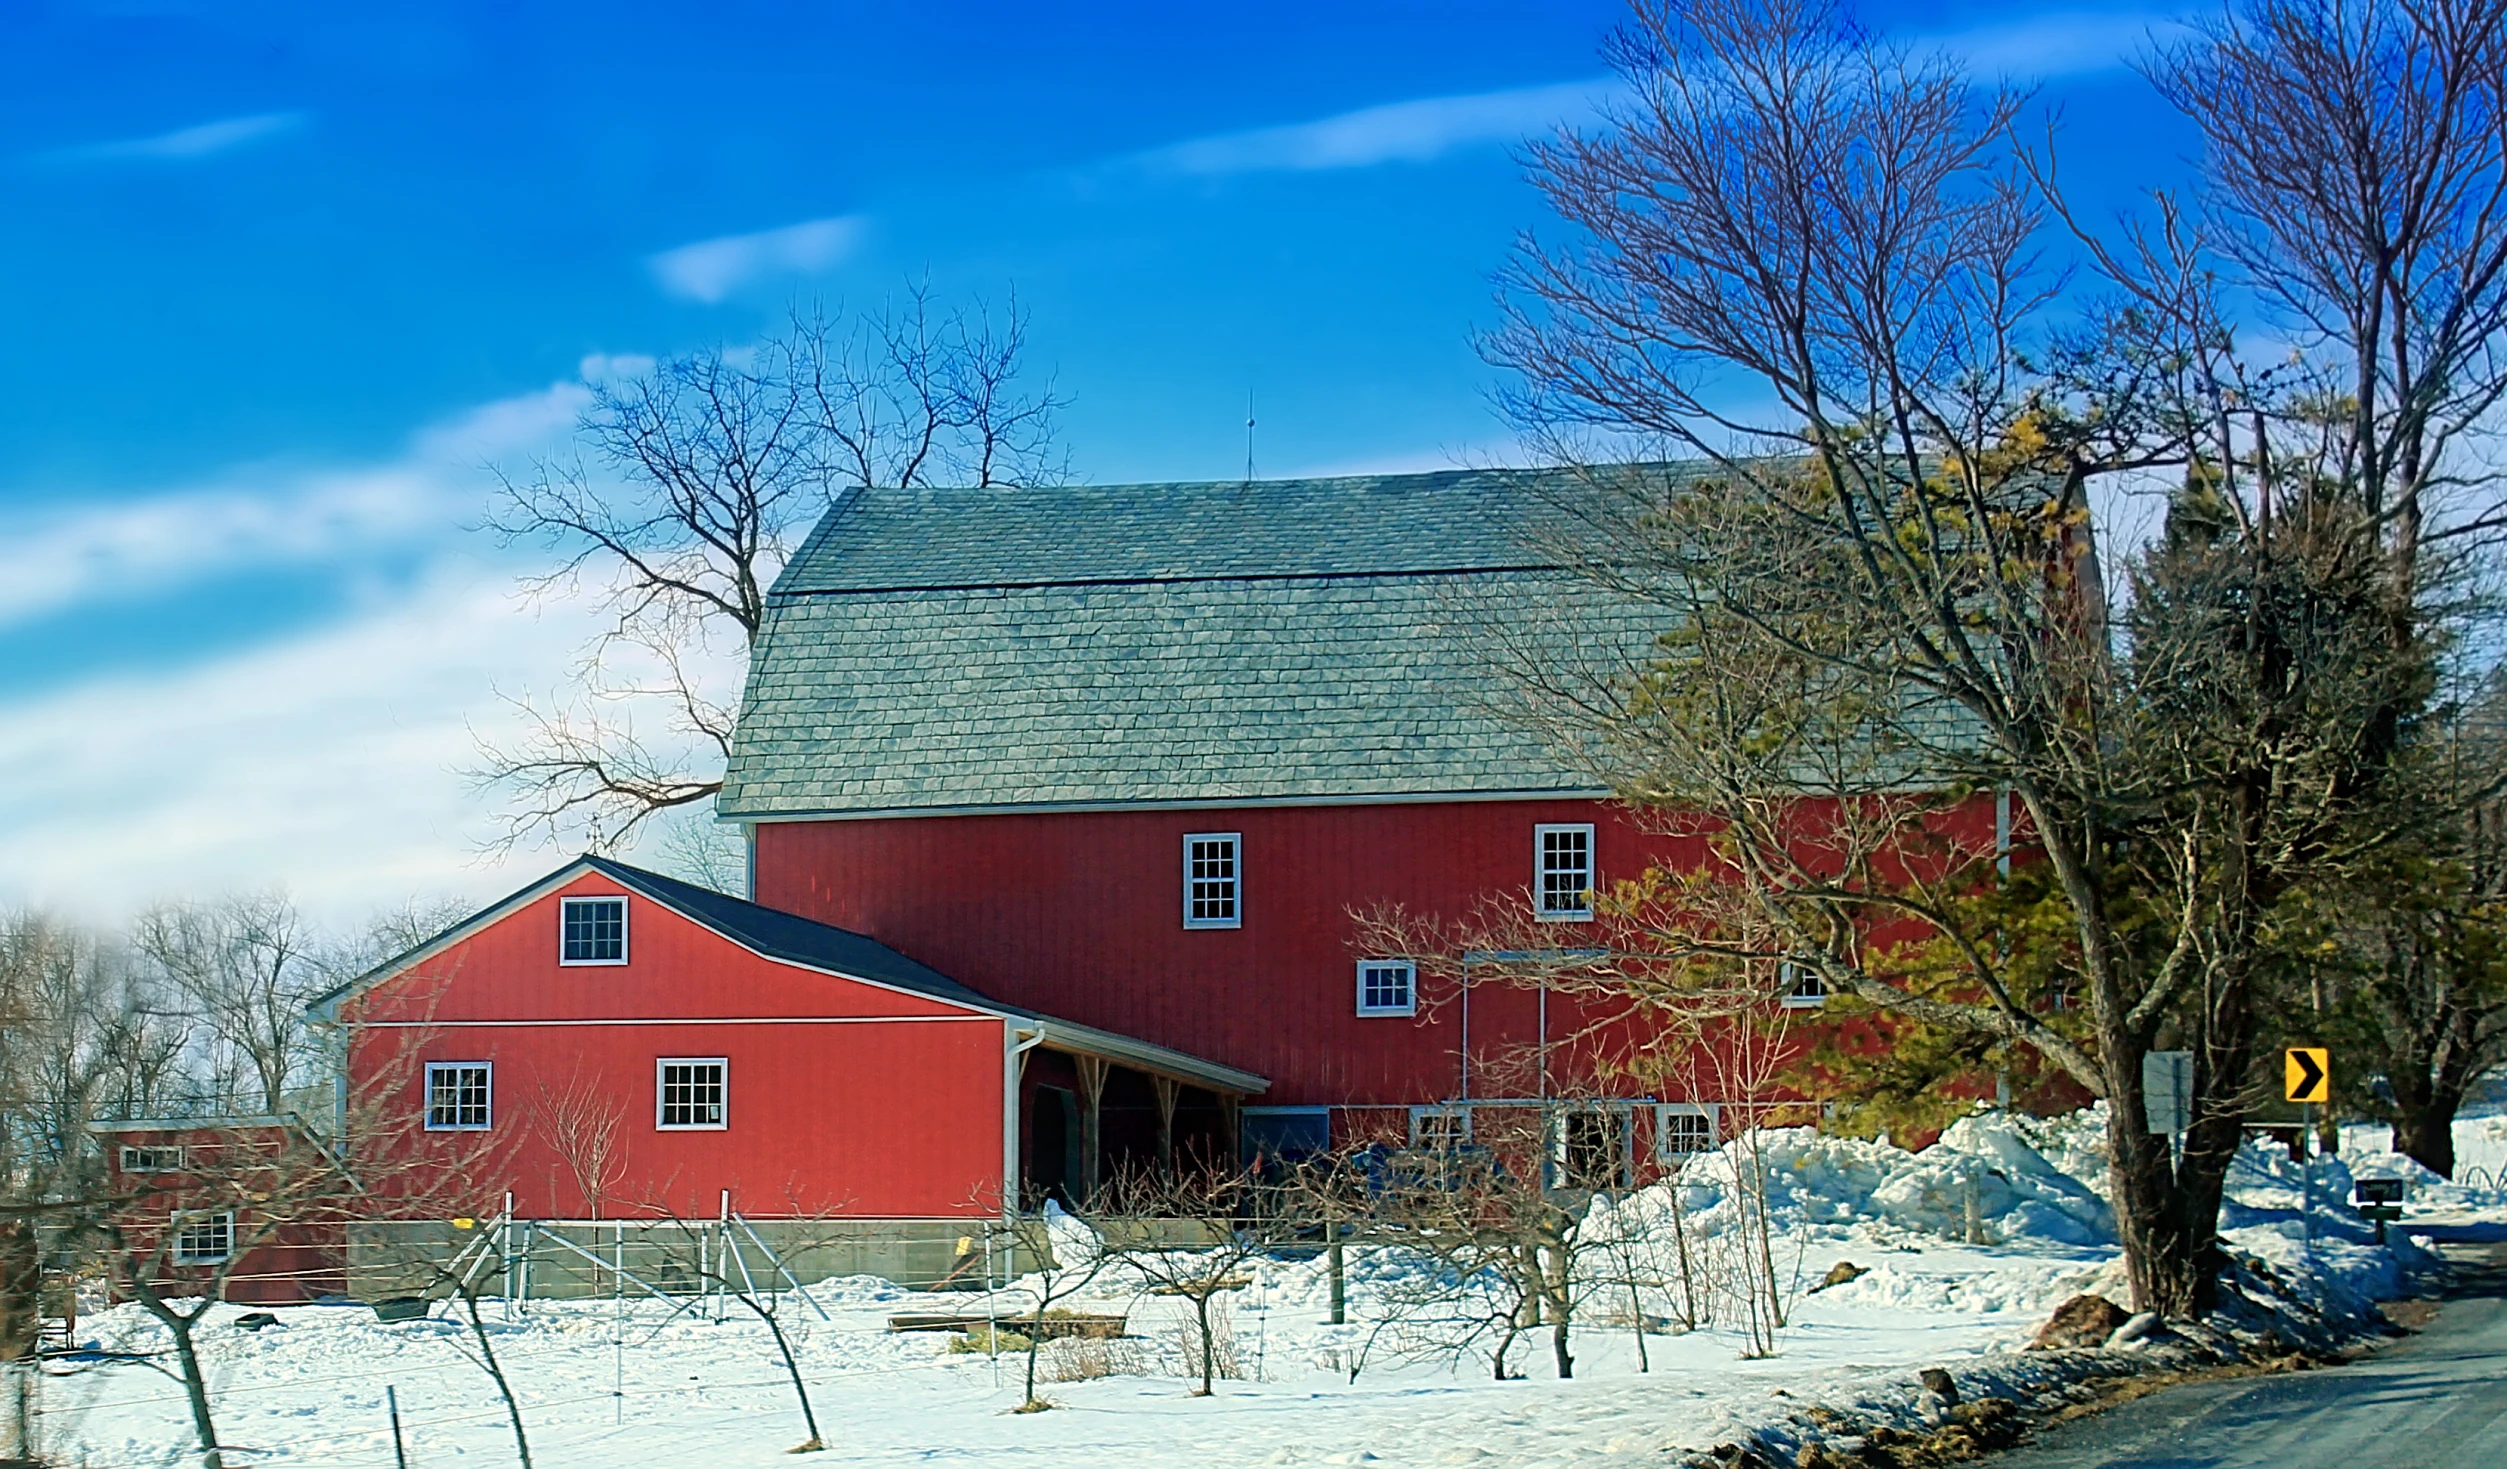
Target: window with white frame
{"x": 595, "y": 931}
{"x": 458, "y": 1096}
{"x": 1387, "y": 987}
{"x": 205, "y": 1241}
{"x": 1684, "y": 1128}
{"x": 1800, "y": 986}
{"x": 1440, "y": 1129}
{"x": 689, "y": 1092}
{"x": 1213, "y": 880}
{"x": 1562, "y": 858}
{"x": 161, "y": 1158}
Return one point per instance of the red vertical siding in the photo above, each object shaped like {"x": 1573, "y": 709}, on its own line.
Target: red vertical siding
{"x": 1080, "y": 915}
{"x": 842, "y": 1097}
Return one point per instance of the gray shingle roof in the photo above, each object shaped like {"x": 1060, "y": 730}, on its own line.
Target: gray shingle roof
{"x": 1315, "y": 639}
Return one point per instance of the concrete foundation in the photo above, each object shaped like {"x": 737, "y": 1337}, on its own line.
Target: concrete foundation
{"x": 582, "y": 1259}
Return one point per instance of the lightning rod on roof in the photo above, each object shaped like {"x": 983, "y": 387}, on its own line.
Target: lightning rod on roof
{"x": 1249, "y": 428}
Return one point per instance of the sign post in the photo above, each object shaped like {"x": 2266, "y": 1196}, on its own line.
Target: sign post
{"x": 2307, "y": 1079}
{"x": 2167, "y": 1095}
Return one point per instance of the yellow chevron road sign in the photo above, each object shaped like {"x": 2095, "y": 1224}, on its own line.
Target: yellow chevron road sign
{"x": 2307, "y": 1073}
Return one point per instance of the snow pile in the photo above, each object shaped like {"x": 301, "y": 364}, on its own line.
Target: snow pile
{"x": 2424, "y": 1189}
{"x": 1983, "y": 1180}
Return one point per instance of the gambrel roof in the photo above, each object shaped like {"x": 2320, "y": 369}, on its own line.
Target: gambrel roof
{"x": 1172, "y": 644}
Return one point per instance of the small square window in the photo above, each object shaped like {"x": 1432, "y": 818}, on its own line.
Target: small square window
{"x": 1212, "y": 885}
{"x": 1387, "y": 987}
{"x": 1440, "y": 1129}
{"x": 595, "y": 931}
{"x": 1682, "y": 1129}
{"x": 1563, "y": 872}
{"x": 689, "y": 1093}
{"x": 208, "y": 1241}
{"x": 458, "y": 1095}
{"x": 1800, "y": 987}
{"x": 159, "y": 1159}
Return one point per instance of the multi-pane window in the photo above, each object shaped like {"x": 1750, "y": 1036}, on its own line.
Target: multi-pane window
{"x": 1801, "y": 987}
{"x": 1563, "y": 871}
{"x": 595, "y": 931}
{"x": 1684, "y": 1128}
{"x": 1440, "y": 1129}
{"x": 690, "y": 1092}
{"x": 205, "y": 1241}
{"x": 1212, "y": 894}
{"x": 1387, "y": 987}
{"x": 457, "y": 1096}
{"x": 163, "y": 1159}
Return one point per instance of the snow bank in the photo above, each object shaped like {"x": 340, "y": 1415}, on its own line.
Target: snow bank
{"x": 1983, "y": 1182}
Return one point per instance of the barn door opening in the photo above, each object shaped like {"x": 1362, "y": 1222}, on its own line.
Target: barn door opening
{"x": 1053, "y": 1145}
{"x": 1590, "y": 1148}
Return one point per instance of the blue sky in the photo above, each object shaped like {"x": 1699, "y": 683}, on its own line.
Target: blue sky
{"x": 280, "y": 279}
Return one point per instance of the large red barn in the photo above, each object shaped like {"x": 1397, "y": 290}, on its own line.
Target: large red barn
{"x": 1141, "y": 754}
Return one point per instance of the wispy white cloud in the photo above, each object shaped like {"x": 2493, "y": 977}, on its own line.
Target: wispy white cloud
{"x": 327, "y": 759}
{"x": 1395, "y": 132}
{"x": 203, "y": 140}
{"x": 327, "y": 763}
{"x": 57, "y": 559}
{"x": 710, "y": 270}
{"x": 2060, "y": 43}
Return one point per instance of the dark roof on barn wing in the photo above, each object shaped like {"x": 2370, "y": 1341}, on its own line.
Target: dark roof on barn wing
{"x": 792, "y": 939}
{"x": 1312, "y": 639}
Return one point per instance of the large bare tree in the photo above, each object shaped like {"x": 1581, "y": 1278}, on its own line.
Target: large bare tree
{"x": 1809, "y": 263}
{"x": 690, "y": 481}
{"x": 2354, "y": 185}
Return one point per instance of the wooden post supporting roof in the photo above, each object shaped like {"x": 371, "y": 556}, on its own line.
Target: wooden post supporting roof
{"x": 1092, "y": 1090}
{"x": 1167, "y": 1087}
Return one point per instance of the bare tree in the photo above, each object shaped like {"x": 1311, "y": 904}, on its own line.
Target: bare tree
{"x": 580, "y": 1120}
{"x": 693, "y": 478}
{"x": 1195, "y": 1233}
{"x": 241, "y": 969}
{"x": 2354, "y": 171}
{"x": 1879, "y": 595}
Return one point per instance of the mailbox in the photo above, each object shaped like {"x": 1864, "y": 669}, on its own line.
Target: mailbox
{"x": 2380, "y": 1199}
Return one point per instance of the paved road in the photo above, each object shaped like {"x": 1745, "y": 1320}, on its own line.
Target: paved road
{"x": 2435, "y": 1401}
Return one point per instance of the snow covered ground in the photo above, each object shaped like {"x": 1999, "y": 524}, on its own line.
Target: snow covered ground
{"x": 613, "y": 1384}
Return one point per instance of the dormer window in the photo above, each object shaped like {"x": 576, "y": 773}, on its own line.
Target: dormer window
{"x": 594, "y": 931}
{"x": 1562, "y": 872}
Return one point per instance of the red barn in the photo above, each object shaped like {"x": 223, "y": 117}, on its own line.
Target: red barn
{"x": 618, "y": 1043}
{"x": 1138, "y": 754}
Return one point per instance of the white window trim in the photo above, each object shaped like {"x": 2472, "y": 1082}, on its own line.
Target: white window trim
{"x": 625, "y": 930}
{"x": 429, "y": 1102}
{"x": 1540, "y": 873}
{"x": 1665, "y": 1111}
{"x": 129, "y": 1150}
{"x": 661, "y": 1061}
{"x": 184, "y": 1226}
{"x": 1411, "y": 988}
{"x": 1789, "y": 976}
{"x": 1419, "y": 1114}
{"x": 1236, "y": 849}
